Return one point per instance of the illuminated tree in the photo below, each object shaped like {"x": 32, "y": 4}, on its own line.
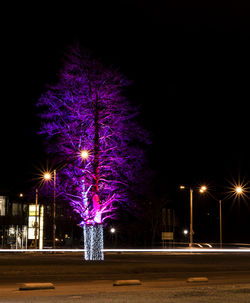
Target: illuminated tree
{"x": 91, "y": 126}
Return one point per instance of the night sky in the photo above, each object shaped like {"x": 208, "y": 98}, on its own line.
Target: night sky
{"x": 190, "y": 67}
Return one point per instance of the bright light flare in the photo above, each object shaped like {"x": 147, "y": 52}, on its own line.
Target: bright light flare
{"x": 44, "y": 175}
{"x": 203, "y": 189}
{"x": 47, "y": 176}
{"x": 84, "y": 154}
{"x": 239, "y": 192}
{"x": 238, "y": 189}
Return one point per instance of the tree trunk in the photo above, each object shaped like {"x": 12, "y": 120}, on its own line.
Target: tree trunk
{"x": 93, "y": 242}
{"x": 96, "y": 149}
{"x": 93, "y": 234}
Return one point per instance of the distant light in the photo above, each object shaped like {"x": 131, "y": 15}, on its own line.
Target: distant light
{"x": 182, "y": 187}
{"x": 185, "y": 231}
{"x": 238, "y": 189}
{"x": 112, "y": 230}
{"x": 84, "y": 154}
{"x": 209, "y": 245}
{"x": 199, "y": 245}
{"x": 20, "y": 195}
{"x": 203, "y": 189}
{"x": 47, "y": 176}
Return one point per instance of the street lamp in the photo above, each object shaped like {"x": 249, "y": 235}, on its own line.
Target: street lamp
{"x": 84, "y": 154}
{"x": 191, "y": 212}
{"x": 112, "y": 230}
{"x": 203, "y": 189}
{"x": 185, "y": 231}
{"x": 113, "y": 235}
{"x": 47, "y": 176}
{"x": 238, "y": 190}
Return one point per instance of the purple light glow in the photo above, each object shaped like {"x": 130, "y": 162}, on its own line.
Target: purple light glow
{"x": 86, "y": 110}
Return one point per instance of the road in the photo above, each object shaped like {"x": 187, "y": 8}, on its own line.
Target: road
{"x": 163, "y": 277}
{"x": 70, "y": 267}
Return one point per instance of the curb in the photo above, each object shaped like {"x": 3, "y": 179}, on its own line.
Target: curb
{"x": 197, "y": 279}
{"x": 36, "y": 286}
{"x": 126, "y": 282}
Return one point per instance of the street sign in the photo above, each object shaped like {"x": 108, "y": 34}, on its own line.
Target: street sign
{"x": 167, "y": 236}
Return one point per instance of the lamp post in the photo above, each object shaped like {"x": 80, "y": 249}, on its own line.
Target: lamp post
{"x": 238, "y": 191}
{"x": 54, "y": 212}
{"x": 220, "y": 223}
{"x": 191, "y": 218}
{"x": 47, "y": 177}
{"x": 36, "y": 219}
{"x": 191, "y": 213}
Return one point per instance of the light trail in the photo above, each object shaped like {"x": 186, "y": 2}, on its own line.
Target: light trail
{"x": 170, "y": 250}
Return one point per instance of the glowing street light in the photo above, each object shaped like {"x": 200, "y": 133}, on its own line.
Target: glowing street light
{"x": 112, "y": 230}
{"x": 84, "y": 154}
{"x": 47, "y": 176}
{"x": 239, "y": 190}
{"x": 203, "y": 189}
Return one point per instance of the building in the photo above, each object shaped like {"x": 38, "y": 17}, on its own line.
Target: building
{"x": 19, "y": 218}
{"x": 13, "y": 223}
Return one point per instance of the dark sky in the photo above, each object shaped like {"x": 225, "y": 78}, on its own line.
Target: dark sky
{"x": 190, "y": 67}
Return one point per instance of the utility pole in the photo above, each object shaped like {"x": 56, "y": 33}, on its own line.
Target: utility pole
{"x": 36, "y": 219}
{"x": 54, "y": 212}
{"x": 191, "y": 218}
{"x": 220, "y": 225}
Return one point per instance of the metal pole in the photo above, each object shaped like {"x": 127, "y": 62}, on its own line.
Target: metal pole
{"x": 191, "y": 218}
{"x": 220, "y": 225}
{"x": 54, "y": 212}
{"x": 36, "y": 219}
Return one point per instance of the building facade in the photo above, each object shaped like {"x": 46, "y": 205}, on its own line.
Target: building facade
{"x": 22, "y": 222}
{"x": 13, "y": 223}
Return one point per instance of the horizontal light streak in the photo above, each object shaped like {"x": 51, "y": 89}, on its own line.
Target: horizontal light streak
{"x": 170, "y": 250}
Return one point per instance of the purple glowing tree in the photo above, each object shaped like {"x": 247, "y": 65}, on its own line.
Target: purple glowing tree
{"x": 91, "y": 126}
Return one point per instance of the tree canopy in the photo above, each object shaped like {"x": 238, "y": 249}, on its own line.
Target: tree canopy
{"x": 86, "y": 112}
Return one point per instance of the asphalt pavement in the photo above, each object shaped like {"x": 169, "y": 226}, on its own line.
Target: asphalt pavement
{"x": 163, "y": 277}
{"x": 148, "y": 292}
